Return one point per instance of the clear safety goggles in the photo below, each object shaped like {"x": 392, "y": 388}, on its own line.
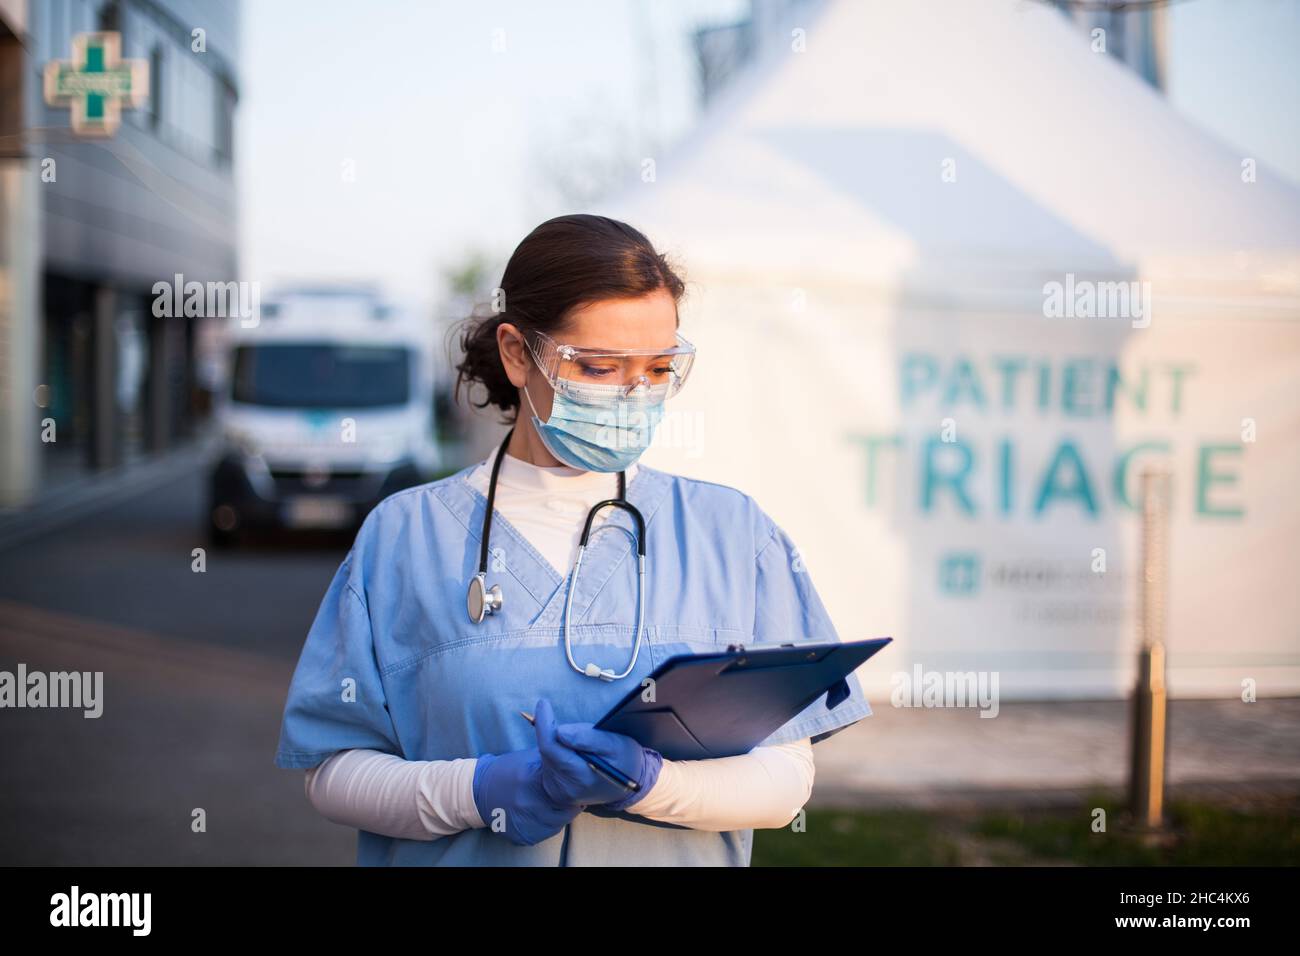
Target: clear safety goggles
{"x": 593, "y": 375}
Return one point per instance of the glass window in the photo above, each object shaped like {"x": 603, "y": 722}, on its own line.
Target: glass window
{"x": 110, "y": 17}
{"x": 155, "y": 110}
{"x": 321, "y": 375}
{"x": 225, "y": 132}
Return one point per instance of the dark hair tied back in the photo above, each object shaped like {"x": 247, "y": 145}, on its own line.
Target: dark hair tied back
{"x": 562, "y": 265}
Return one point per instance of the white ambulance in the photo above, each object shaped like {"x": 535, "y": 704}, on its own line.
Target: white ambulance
{"x": 328, "y": 408}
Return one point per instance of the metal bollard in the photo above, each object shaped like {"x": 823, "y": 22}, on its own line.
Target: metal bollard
{"x": 1149, "y": 753}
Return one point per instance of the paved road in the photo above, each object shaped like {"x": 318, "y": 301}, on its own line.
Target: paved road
{"x": 130, "y": 564}
{"x": 196, "y": 667}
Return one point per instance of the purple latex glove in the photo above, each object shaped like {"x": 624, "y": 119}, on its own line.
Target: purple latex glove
{"x": 509, "y": 796}
{"x": 568, "y": 779}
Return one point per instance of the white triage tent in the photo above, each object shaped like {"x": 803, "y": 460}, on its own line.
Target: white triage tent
{"x": 955, "y": 281}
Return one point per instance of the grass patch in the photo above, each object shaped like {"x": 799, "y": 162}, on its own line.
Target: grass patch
{"x": 848, "y": 838}
{"x": 1200, "y": 834}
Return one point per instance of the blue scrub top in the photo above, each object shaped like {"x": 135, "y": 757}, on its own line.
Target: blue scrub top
{"x": 393, "y": 663}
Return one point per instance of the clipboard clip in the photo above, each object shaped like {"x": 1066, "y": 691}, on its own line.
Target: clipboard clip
{"x": 837, "y": 694}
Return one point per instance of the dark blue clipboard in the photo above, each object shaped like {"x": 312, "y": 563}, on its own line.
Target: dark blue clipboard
{"x": 724, "y": 704}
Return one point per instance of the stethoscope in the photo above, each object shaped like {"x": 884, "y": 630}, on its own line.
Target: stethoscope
{"x": 482, "y": 601}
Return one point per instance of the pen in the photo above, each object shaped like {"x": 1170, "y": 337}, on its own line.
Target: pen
{"x": 598, "y": 764}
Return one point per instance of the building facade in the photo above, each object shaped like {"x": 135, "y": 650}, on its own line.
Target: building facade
{"x": 116, "y": 174}
{"x": 1135, "y": 33}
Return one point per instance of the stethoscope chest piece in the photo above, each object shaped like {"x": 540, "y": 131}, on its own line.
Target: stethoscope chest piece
{"x": 481, "y": 599}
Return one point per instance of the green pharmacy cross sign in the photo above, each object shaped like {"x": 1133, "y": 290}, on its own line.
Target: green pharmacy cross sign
{"x": 96, "y": 83}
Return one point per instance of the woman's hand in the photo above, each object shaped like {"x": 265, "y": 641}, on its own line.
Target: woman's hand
{"x": 568, "y": 779}
{"x": 509, "y": 796}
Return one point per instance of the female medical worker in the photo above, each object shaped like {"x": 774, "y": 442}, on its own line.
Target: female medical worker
{"x": 405, "y": 704}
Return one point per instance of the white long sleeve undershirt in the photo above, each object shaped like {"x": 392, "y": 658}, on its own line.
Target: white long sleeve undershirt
{"x": 426, "y": 799}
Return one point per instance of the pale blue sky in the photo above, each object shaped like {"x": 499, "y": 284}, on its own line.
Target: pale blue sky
{"x": 1234, "y": 68}
{"x": 446, "y": 135}
{"x": 447, "y": 139}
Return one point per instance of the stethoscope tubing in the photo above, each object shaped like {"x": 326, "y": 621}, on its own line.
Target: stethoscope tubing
{"x": 591, "y": 670}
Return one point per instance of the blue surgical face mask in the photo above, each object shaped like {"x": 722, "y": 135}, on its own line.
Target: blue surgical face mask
{"x": 604, "y": 437}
